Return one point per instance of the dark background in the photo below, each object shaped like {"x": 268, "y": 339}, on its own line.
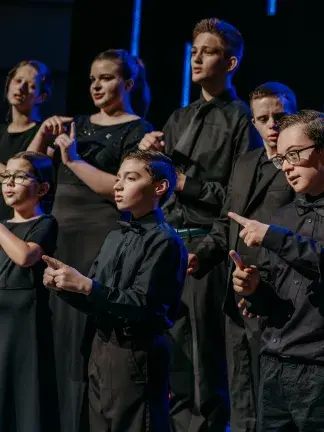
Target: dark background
{"x": 287, "y": 47}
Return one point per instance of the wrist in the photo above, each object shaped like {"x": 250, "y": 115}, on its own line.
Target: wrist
{"x": 86, "y": 286}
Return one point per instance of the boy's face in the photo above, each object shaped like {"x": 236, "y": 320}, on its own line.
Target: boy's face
{"x": 267, "y": 112}
{"x": 307, "y": 176}
{"x": 134, "y": 190}
{"x": 207, "y": 59}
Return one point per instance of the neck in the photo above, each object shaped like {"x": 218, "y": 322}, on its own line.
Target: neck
{"x": 24, "y": 214}
{"x": 119, "y": 110}
{"x": 271, "y": 151}
{"x": 214, "y": 89}
{"x": 139, "y": 213}
{"x": 23, "y": 119}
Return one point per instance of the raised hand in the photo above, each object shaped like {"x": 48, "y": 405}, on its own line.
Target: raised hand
{"x": 153, "y": 141}
{"x": 253, "y": 232}
{"x": 246, "y": 279}
{"x": 68, "y": 146}
{"x": 55, "y": 125}
{"x": 60, "y": 276}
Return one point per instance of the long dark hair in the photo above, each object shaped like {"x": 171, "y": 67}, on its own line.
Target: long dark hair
{"x": 44, "y": 172}
{"x": 131, "y": 68}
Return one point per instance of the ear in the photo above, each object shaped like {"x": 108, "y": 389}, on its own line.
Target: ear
{"x": 161, "y": 187}
{"x": 129, "y": 84}
{"x": 232, "y": 64}
{"x": 43, "y": 189}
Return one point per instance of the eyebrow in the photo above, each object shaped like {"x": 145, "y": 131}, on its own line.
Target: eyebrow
{"x": 128, "y": 172}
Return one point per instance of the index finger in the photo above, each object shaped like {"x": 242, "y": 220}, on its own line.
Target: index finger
{"x": 66, "y": 119}
{"x": 237, "y": 259}
{"x": 72, "y": 131}
{"x": 239, "y": 219}
{"x": 52, "y": 262}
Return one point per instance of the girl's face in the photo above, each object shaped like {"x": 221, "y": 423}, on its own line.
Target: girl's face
{"x": 24, "y": 89}
{"x": 108, "y": 88}
{"x": 20, "y": 187}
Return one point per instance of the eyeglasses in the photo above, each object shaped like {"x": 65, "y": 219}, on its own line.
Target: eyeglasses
{"x": 291, "y": 157}
{"x": 18, "y": 177}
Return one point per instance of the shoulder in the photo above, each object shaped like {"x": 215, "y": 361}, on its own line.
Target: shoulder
{"x": 166, "y": 235}
{"x": 248, "y": 157}
{"x": 139, "y": 127}
{"x": 46, "y": 222}
{"x": 184, "y": 113}
{"x": 241, "y": 110}
{"x": 3, "y": 128}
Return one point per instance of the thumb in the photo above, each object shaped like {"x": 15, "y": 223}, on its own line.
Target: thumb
{"x": 52, "y": 262}
{"x": 237, "y": 259}
{"x": 72, "y": 131}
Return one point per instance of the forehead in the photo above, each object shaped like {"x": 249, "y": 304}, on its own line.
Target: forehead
{"x": 293, "y": 137}
{"x": 19, "y": 165}
{"x": 28, "y": 72}
{"x": 269, "y": 105}
{"x": 207, "y": 39}
{"x": 101, "y": 67}
{"x": 133, "y": 165}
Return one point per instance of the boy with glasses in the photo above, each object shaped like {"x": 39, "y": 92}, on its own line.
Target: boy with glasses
{"x": 287, "y": 287}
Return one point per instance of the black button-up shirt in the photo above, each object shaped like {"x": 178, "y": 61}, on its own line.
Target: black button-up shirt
{"x": 138, "y": 275}
{"x": 291, "y": 292}
{"x": 226, "y": 132}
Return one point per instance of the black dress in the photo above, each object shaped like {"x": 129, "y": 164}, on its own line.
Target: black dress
{"x": 10, "y": 144}
{"x": 85, "y": 218}
{"x": 28, "y": 401}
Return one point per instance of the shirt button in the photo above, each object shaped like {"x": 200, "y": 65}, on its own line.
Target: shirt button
{"x": 309, "y": 220}
{"x": 274, "y": 340}
{"x": 296, "y": 282}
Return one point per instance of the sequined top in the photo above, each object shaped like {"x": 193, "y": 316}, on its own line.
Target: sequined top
{"x": 104, "y": 146}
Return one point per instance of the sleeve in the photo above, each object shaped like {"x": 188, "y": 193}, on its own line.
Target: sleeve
{"x": 214, "y": 248}
{"x": 154, "y": 290}
{"x": 303, "y": 254}
{"x": 212, "y": 193}
{"x": 265, "y": 301}
{"x": 134, "y": 137}
{"x": 44, "y": 233}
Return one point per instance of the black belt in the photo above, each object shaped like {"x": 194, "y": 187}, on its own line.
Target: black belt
{"x": 191, "y": 232}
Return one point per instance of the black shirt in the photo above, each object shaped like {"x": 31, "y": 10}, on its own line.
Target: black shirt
{"x": 42, "y": 231}
{"x": 225, "y": 133}
{"x": 138, "y": 275}
{"x": 291, "y": 292}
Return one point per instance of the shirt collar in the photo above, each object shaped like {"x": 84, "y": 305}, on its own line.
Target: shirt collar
{"x": 221, "y": 100}
{"x": 143, "y": 224}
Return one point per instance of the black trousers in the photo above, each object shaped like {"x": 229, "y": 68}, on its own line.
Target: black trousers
{"x": 291, "y": 396}
{"x": 242, "y": 352}
{"x": 198, "y": 381}
{"x": 128, "y": 385}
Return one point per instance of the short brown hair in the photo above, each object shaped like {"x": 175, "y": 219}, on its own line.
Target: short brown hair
{"x": 159, "y": 166}
{"x": 274, "y": 89}
{"x": 312, "y": 123}
{"x": 231, "y": 39}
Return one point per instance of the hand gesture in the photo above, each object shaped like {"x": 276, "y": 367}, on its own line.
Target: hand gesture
{"x": 60, "y": 276}
{"x": 241, "y": 304}
{"x": 55, "y": 125}
{"x": 153, "y": 141}
{"x": 193, "y": 264}
{"x": 253, "y": 232}
{"x": 245, "y": 279}
{"x": 68, "y": 146}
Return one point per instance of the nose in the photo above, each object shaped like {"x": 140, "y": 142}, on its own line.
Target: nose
{"x": 196, "y": 58}
{"x": 118, "y": 185}
{"x": 96, "y": 85}
{"x": 286, "y": 166}
{"x": 23, "y": 86}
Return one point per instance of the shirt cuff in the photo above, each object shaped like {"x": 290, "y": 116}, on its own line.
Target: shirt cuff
{"x": 97, "y": 294}
{"x": 274, "y": 238}
{"x": 191, "y": 188}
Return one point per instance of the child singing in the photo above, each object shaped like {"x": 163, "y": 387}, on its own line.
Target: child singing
{"x": 27, "y": 379}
